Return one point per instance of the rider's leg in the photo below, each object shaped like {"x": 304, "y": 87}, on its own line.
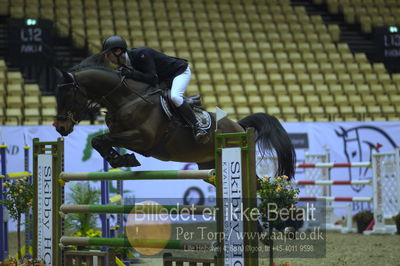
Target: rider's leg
{"x": 179, "y": 85}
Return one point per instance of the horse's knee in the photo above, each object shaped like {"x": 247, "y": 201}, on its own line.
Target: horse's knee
{"x": 98, "y": 142}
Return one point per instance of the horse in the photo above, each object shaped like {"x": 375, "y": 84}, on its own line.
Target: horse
{"x": 137, "y": 122}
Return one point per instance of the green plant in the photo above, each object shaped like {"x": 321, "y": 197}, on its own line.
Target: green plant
{"x": 88, "y": 233}
{"x": 363, "y": 219}
{"x": 82, "y": 223}
{"x": 364, "y": 216}
{"x": 277, "y": 194}
{"x": 25, "y": 262}
{"x": 396, "y": 219}
{"x": 18, "y": 197}
{"x": 124, "y": 252}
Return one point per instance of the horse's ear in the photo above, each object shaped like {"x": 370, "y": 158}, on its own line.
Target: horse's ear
{"x": 67, "y": 76}
{"x": 58, "y": 72}
{"x": 63, "y": 74}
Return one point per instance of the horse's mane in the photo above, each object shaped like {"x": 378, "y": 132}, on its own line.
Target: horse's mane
{"x": 96, "y": 61}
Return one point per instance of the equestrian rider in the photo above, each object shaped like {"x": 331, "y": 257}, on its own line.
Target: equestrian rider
{"x": 153, "y": 67}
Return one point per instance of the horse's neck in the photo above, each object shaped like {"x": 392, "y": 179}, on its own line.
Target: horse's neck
{"x": 97, "y": 83}
{"x": 101, "y": 83}
{"x": 138, "y": 87}
{"x": 129, "y": 91}
{"x": 111, "y": 90}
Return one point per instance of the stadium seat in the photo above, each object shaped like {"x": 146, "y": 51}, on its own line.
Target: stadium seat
{"x": 261, "y": 55}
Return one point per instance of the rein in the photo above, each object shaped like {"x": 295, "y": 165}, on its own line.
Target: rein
{"x": 123, "y": 83}
{"x": 137, "y": 94}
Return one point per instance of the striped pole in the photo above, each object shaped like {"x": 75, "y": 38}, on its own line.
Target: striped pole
{"x": 126, "y": 242}
{"x": 3, "y": 224}
{"x": 331, "y": 182}
{"x": 137, "y": 175}
{"x": 142, "y": 209}
{"x": 333, "y": 165}
{"x": 105, "y": 220}
{"x": 28, "y": 214}
{"x": 352, "y": 199}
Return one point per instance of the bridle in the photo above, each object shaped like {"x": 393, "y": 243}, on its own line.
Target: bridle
{"x": 74, "y": 116}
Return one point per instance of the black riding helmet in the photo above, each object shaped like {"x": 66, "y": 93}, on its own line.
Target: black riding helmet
{"x": 113, "y": 42}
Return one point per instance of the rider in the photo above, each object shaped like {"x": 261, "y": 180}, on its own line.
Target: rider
{"x": 153, "y": 67}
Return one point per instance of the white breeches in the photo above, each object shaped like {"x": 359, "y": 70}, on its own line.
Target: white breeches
{"x": 179, "y": 85}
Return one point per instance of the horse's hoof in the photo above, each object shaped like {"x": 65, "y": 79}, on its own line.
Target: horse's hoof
{"x": 130, "y": 160}
{"x": 126, "y": 160}
{"x": 116, "y": 163}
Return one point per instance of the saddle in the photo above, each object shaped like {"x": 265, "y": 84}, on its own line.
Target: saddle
{"x": 194, "y": 101}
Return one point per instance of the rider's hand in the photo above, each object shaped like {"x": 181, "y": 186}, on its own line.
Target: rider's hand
{"x": 126, "y": 72}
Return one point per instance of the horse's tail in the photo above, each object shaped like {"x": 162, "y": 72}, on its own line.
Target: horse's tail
{"x": 272, "y": 136}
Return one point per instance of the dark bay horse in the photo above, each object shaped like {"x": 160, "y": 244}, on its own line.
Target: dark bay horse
{"x": 136, "y": 121}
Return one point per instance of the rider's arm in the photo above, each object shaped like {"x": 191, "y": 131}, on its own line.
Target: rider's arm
{"x": 145, "y": 68}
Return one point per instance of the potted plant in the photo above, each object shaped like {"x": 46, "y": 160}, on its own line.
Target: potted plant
{"x": 280, "y": 192}
{"x": 81, "y": 193}
{"x": 18, "y": 197}
{"x": 82, "y": 224}
{"x": 363, "y": 219}
{"x": 396, "y": 219}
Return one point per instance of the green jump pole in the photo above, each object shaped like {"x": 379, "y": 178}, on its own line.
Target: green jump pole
{"x": 137, "y": 175}
{"x": 125, "y": 242}
{"x": 142, "y": 209}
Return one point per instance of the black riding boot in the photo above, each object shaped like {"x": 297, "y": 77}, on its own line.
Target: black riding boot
{"x": 200, "y": 135}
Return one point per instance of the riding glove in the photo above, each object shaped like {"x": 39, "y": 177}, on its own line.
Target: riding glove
{"x": 137, "y": 75}
{"x": 126, "y": 72}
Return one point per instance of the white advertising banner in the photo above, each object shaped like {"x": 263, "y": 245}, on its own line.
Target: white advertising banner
{"x": 232, "y": 204}
{"x": 45, "y": 207}
{"x": 345, "y": 141}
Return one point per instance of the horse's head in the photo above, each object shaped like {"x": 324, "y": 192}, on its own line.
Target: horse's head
{"x": 72, "y": 102}
{"x": 358, "y": 144}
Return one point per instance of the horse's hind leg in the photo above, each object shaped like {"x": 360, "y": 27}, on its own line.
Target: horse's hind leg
{"x": 104, "y": 145}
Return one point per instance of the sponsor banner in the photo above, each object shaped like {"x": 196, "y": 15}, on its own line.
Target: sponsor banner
{"x": 232, "y": 204}
{"x": 345, "y": 141}
{"x": 45, "y": 208}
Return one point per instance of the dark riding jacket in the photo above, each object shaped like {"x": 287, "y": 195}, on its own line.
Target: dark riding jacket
{"x": 154, "y": 67}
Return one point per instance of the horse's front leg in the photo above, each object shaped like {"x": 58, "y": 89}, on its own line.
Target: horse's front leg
{"x": 133, "y": 138}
